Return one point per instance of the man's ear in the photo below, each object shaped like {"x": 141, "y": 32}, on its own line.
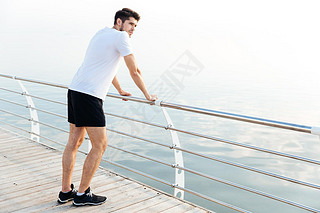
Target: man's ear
{"x": 119, "y": 21}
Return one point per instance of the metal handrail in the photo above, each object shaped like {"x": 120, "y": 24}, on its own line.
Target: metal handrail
{"x": 181, "y": 188}
{"x": 214, "y": 158}
{"x": 270, "y": 174}
{"x": 221, "y": 140}
{"x": 233, "y": 116}
{"x": 295, "y": 157}
{"x": 215, "y": 179}
{"x": 34, "y": 81}
{"x": 191, "y": 133}
{"x": 249, "y": 119}
{"x": 33, "y": 96}
{"x": 29, "y": 107}
{"x": 30, "y": 119}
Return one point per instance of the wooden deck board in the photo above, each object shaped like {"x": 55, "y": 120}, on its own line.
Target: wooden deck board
{"x": 26, "y": 162}
{"x": 36, "y": 163}
{"x": 27, "y": 171}
{"x": 30, "y": 180}
{"x": 161, "y": 206}
{"x": 5, "y": 136}
{"x": 49, "y": 202}
{"x": 145, "y": 204}
{"x": 50, "y": 198}
{"x": 178, "y": 208}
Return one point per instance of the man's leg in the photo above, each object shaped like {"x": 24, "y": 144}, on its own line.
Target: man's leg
{"x": 98, "y": 138}
{"x": 76, "y": 137}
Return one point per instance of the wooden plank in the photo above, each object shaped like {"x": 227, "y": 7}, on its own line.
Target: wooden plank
{"x": 49, "y": 205}
{"x": 5, "y": 137}
{"x": 160, "y": 206}
{"x": 25, "y": 171}
{"x": 11, "y": 145}
{"x": 113, "y": 187}
{"x": 14, "y": 143}
{"x": 38, "y": 159}
{"x": 118, "y": 198}
{"x": 197, "y": 210}
{"x": 22, "y": 159}
{"x": 24, "y": 151}
{"x": 179, "y": 208}
{"x": 28, "y": 153}
{"x": 41, "y": 166}
{"x": 29, "y": 163}
{"x": 50, "y": 198}
{"x": 24, "y": 177}
{"x": 33, "y": 194}
{"x": 145, "y": 204}
{"x": 4, "y": 161}
{"x": 25, "y": 184}
{"x": 33, "y": 166}
{"x": 30, "y": 177}
{"x": 102, "y": 177}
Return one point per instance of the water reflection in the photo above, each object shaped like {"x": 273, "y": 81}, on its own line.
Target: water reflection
{"x": 266, "y": 137}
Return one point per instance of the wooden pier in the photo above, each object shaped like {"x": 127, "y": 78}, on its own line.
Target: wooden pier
{"x": 30, "y": 180}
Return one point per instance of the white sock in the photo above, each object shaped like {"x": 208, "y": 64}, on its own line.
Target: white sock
{"x": 79, "y": 194}
{"x": 67, "y": 191}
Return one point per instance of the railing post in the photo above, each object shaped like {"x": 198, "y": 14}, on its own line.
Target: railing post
{"x": 89, "y": 146}
{"x": 35, "y": 128}
{"x": 179, "y": 174}
{"x": 315, "y": 131}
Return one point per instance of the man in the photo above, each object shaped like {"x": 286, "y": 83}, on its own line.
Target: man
{"x": 86, "y": 93}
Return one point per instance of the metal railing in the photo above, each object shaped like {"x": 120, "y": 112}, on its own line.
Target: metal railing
{"x": 178, "y": 185}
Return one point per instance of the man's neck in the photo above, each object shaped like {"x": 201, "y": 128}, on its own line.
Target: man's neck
{"x": 115, "y": 27}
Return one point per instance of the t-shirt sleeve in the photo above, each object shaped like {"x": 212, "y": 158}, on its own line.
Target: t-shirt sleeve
{"x": 123, "y": 45}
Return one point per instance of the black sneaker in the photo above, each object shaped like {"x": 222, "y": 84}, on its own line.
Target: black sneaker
{"x": 88, "y": 199}
{"x": 65, "y": 197}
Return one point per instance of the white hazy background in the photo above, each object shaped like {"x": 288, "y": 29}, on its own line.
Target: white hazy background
{"x": 274, "y": 39}
{"x": 253, "y": 48}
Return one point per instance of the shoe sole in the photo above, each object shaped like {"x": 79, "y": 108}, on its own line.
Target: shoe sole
{"x": 88, "y": 203}
{"x": 64, "y": 201}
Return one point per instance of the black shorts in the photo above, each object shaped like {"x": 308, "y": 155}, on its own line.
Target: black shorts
{"x": 85, "y": 110}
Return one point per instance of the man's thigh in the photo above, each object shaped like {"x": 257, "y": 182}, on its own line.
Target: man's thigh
{"x": 76, "y": 134}
{"x": 97, "y": 135}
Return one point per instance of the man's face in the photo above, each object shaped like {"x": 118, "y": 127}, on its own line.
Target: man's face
{"x": 129, "y": 26}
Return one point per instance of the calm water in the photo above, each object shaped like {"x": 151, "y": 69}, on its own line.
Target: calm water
{"x": 220, "y": 93}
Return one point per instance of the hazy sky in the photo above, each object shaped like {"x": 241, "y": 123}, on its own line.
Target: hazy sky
{"x": 267, "y": 51}
{"x": 274, "y": 39}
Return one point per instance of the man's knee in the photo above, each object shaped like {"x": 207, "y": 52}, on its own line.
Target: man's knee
{"x": 98, "y": 137}
{"x": 79, "y": 142}
{"x": 75, "y": 143}
{"x": 104, "y": 144}
{"x": 100, "y": 145}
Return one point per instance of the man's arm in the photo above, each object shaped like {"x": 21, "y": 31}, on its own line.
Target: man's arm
{"x": 137, "y": 77}
{"x": 116, "y": 84}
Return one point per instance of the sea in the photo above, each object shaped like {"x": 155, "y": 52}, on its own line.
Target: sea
{"x": 222, "y": 93}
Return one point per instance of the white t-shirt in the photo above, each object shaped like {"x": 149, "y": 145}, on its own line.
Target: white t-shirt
{"x": 101, "y": 61}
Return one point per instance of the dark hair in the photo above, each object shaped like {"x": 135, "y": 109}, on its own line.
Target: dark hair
{"x": 125, "y": 14}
